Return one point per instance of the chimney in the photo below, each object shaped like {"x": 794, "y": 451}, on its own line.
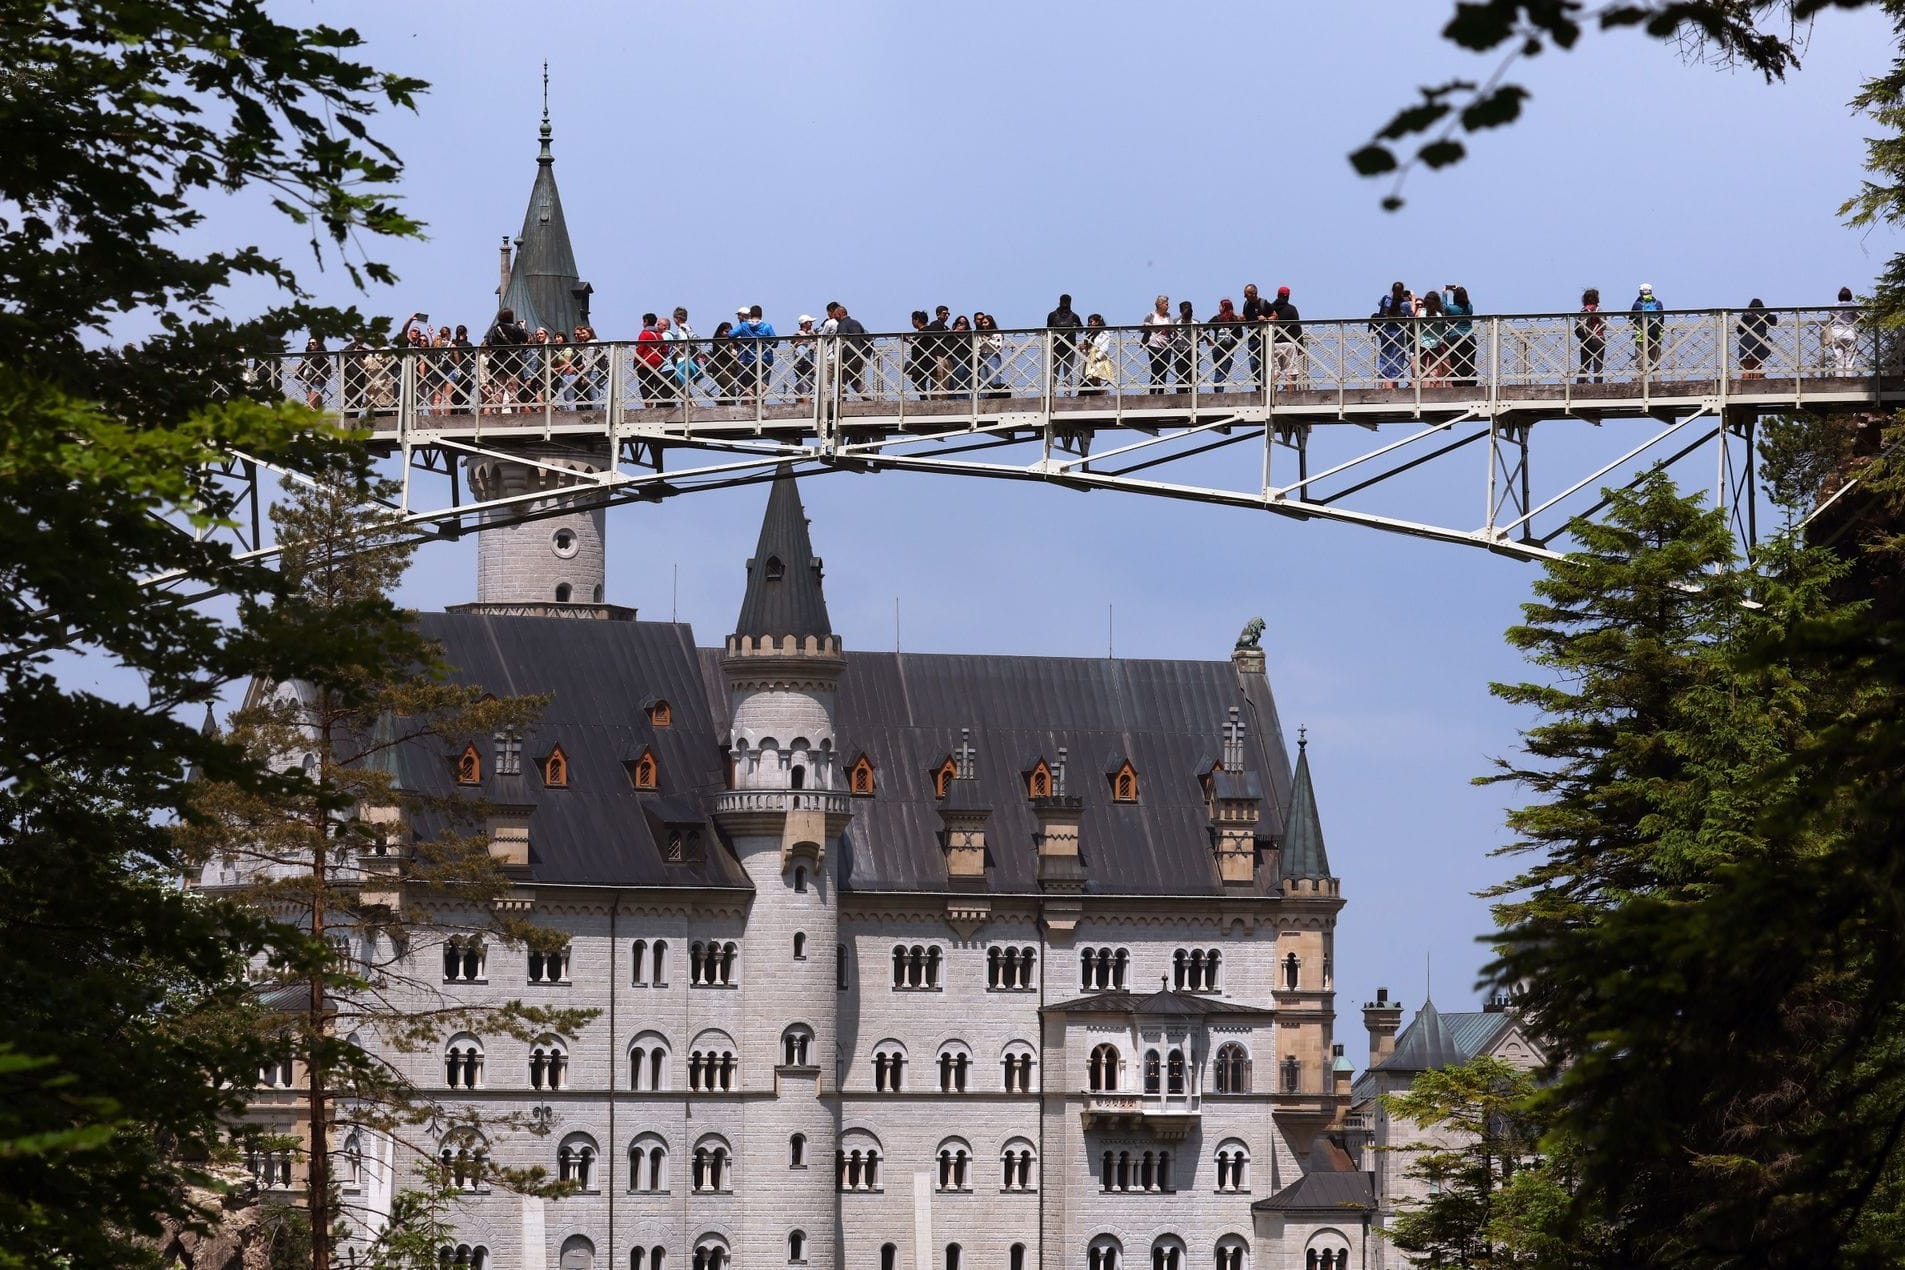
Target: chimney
{"x": 1236, "y": 806}
{"x": 502, "y": 287}
{"x": 1060, "y": 867}
{"x": 963, "y": 816}
{"x": 1341, "y": 1071}
{"x": 1383, "y": 1018}
{"x": 507, "y": 826}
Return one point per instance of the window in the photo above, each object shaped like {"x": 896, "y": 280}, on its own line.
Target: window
{"x": 1167, "y": 1254}
{"x": 797, "y": 1247}
{"x": 800, "y": 945}
{"x": 352, "y": 1158}
{"x": 796, "y": 1041}
{"x": 469, "y": 766}
{"x": 711, "y": 965}
{"x": 1038, "y": 782}
{"x": 564, "y": 543}
{"x": 1018, "y": 1257}
{"x": 889, "y": 1257}
{"x": 655, "y": 1258}
{"x": 1011, "y": 969}
{"x": 575, "y": 1160}
{"x": 1230, "y": 1254}
{"x": 555, "y": 769}
{"x": 1127, "y": 1171}
{"x": 889, "y": 1067}
{"x": 1106, "y": 1253}
{"x": 1292, "y": 970}
{"x": 840, "y": 967}
{"x": 800, "y": 881}
{"x": 644, "y": 772}
{"x": 548, "y": 1064}
{"x": 1103, "y": 969}
{"x": 775, "y": 570}
{"x": 549, "y": 967}
{"x": 711, "y": 1253}
{"x": 661, "y": 715}
{"x": 463, "y": 1062}
{"x": 1233, "y": 1166}
{"x": 955, "y": 1165}
{"x": 1153, "y": 1073}
{"x": 916, "y": 969}
{"x": 943, "y": 777}
{"x": 860, "y": 777}
{"x": 713, "y": 1166}
{"x": 509, "y": 753}
{"x": 563, "y": 592}
{"x": 1232, "y": 1069}
{"x": 1292, "y": 1074}
{"x": 682, "y": 845}
{"x": 648, "y": 963}
{"x": 1124, "y": 789}
{"x": 712, "y": 1067}
{"x": 463, "y": 1257}
{"x": 858, "y": 1163}
{"x": 464, "y": 1159}
{"x": 1017, "y": 1063}
{"x": 1104, "y": 1069}
{"x": 952, "y": 1256}
{"x": 276, "y": 1073}
{"x": 648, "y": 1062}
{"x": 1321, "y": 1256}
{"x": 1015, "y": 1166}
{"x": 271, "y": 1169}
{"x": 797, "y": 1151}
{"x": 1195, "y": 969}
{"x": 464, "y": 959}
{"x": 648, "y": 1164}
{"x": 1174, "y": 1072}
{"x": 955, "y": 1061}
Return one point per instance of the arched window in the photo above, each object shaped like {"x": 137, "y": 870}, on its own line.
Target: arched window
{"x": 1174, "y": 1072}
{"x": 644, "y": 772}
{"x": 712, "y": 1170}
{"x": 1328, "y": 1250}
{"x": 943, "y": 777}
{"x": 463, "y": 1062}
{"x": 655, "y": 1258}
{"x": 860, "y": 781}
{"x": 549, "y": 967}
{"x": 712, "y": 1066}
{"x": 1291, "y": 968}
{"x": 1017, "y": 1066}
{"x": 469, "y": 766}
{"x": 1233, "y": 1165}
{"x": 796, "y": 1042}
{"x": 1018, "y": 1166}
{"x": 797, "y": 1151}
{"x": 797, "y": 1247}
{"x": 1153, "y": 1073}
{"x": 1103, "y": 969}
{"x": 711, "y": 1253}
{"x": 1232, "y": 1069}
{"x": 1232, "y": 1253}
{"x": 800, "y": 945}
{"x": 276, "y": 1073}
{"x": 800, "y": 881}
{"x": 352, "y": 1158}
{"x": 463, "y": 1257}
{"x": 648, "y": 1164}
{"x": 563, "y": 592}
{"x": 1196, "y": 969}
{"x": 1038, "y": 782}
{"x": 952, "y": 1256}
{"x": 889, "y": 1067}
{"x": 465, "y": 959}
{"x": 1105, "y": 1253}
{"x": 1292, "y": 1074}
{"x": 575, "y": 1160}
{"x": 840, "y": 967}
{"x": 549, "y": 1064}
{"x": 638, "y": 962}
{"x": 648, "y": 1063}
{"x": 555, "y": 769}
{"x": 955, "y": 1064}
{"x": 464, "y": 1158}
{"x": 659, "y": 976}
{"x": 1124, "y": 785}
{"x": 1105, "y": 1065}
{"x": 955, "y": 1165}
{"x": 661, "y": 714}
{"x": 1017, "y": 1259}
{"x": 858, "y": 1161}
{"x": 889, "y": 1257}
{"x": 1167, "y": 1253}
{"x": 711, "y": 965}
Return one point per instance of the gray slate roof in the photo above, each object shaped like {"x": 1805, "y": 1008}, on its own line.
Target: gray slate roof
{"x": 1164, "y": 1002}
{"x": 784, "y": 595}
{"x": 1445, "y": 1041}
{"x": 543, "y": 281}
{"x": 1319, "y": 1191}
{"x": 1303, "y": 853}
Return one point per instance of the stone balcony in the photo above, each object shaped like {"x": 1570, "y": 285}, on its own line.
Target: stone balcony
{"x": 1163, "y": 1115}
{"x": 816, "y": 815}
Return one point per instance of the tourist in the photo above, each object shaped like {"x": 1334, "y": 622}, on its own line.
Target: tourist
{"x": 1064, "y": 326}
{"x": 651, "y": 361}
{"x": 1392, "y": 335}
{"x": 1842, "y": 335}
{"x": 940, "y": 348}
{"x": 505, "y": 339}
{"x": 1256, "y": 312}
{"x": 314, "y": 372}
{"x": 1752, "y": 331}
{"x": 724, "y": 365}
{"x": 563, "y": 369}
{"x": 1647, "y": 328}
{"x": 1225, "y": 329}
{"x": 589, "y": 363}
{"x": 1184, "y": 347}
{"x": 1291, "y": 368}
{"x": 1157, "y": 342}
{"x": 853, "y": 347}
{"x": 920, "y": 347}
{"x": 688, "y": 365}
{"x": 754, "y": 341}
{"x": 991, "y": 354}
{"x": 1101, "y": 369}
{"x": 964, "y": 351}
{"x": 463, "y": 368}
{"x": 803, "y": 347}
{"x": 1456, "y": 304}
{"x": 1432, "y": 352}
{"x": 1590, "y": 332}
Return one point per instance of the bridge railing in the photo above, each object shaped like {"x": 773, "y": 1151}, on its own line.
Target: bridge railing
{"x": 1368, "y": 363}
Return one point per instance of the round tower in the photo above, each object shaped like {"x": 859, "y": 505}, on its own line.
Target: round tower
{"x": 784, "y": 814}
{"x": 557, "y": 556}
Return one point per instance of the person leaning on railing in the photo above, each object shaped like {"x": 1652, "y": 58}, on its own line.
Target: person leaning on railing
{"x": 314, "y": 372}
{"x": 1752, "y": 330}
{"x": 1456, "y": 304}
{"x": 1225, "y": 331}
{"x": 1590, "y": 332}
{"x": 1100, "y": 368}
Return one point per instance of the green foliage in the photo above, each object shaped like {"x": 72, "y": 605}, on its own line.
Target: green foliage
{"x": 117, "y": 115}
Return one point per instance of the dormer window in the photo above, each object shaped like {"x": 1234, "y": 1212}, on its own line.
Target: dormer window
{"x": 555, "y": 769}
{"x": 943, "y": 777}
{"x": 661, "y": 715}
{"x": 644, "y": 772}
{"x": 860, "y": 777}
{"x": 774, "y": 569}
{"x": 469, "y": 766}
{"x": 1124, "y": 784}
{"x": 1038, "y": 782}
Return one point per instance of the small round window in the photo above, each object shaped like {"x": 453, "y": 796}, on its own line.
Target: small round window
{"x": 565, "y": 542}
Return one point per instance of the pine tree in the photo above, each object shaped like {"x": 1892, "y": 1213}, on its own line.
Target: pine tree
{"x": 357, "y": 878}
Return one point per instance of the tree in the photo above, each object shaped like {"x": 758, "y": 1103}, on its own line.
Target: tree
{"x": 358, "y": 878}
{"x": 116, "y": 115}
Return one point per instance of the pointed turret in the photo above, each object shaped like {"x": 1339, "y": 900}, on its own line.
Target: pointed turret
{"x": 784, "y": 596}
{"x": 1303, "y": 855}
{"x": 1426, "y": 1046}
{"x": 544, "y": 287}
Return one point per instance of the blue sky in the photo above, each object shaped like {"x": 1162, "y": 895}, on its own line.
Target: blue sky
{"x": 991, "y": 155}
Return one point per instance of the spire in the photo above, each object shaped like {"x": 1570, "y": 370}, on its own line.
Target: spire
{"x": 544, "y": 287}
{"x": 1303, "y": 853}
{"x": 783, "y": 579}
{"x": 1425, "y": 1046}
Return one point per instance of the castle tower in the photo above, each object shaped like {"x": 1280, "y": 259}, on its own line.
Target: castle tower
{"x": 1305, "y": 971}
{"x": 784, "y": 814}
{"x": 555, "y": 563}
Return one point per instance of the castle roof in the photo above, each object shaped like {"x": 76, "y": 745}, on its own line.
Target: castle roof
{"x": 1303, "y": 853}
{"x": 1434, "y": 1040}
{"x": 1165, "y": 1002}
{"x": 1331, "y": 1183}
{"x": 784, "y": 595}
{"x": 544, "y": 287}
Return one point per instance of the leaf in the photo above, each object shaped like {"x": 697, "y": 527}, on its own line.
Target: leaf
{"x": 1373, "y": 160}
{"x": 1439, "y": 154}
{"x": 1414, "y": 119}
{"x": 1499, "y": 107}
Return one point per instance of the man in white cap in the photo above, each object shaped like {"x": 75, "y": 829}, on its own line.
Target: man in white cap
{"x": 1647, "y": 328}
{"x": 803, "y": 343}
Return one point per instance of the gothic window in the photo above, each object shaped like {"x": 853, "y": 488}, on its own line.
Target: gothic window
{"x": 711, "y": 1253}
{"x": 1104, "y": 1069}
{"x": 352, "y": 1157}
{"x": 644, "y": 772}
{"x": 943, "y": 777}
{"x": 509, "y": 753}
{"x": 549, "y": 967}
{"x": 1233, "y": 1166}
{"x": 575, "y": 1160}
{"x": 463, "y": 1062}
{"x": 1292, "y": 1074}
{"x": 889, "y": 1067}
{"x": 1230, "y": 1254}
{"x": 1167, "y": 1254}
{"x": 712, "y": 1171}
{"x": 464, "y": 1159}
{"x": 648, "y": 1164}
{"x": 797, "y": 1151}
{"x": 796, "y": 1247}
{"x": 1016, "y": 1166}
{"x": 469, "y": 766}
{"x": 1124, "y": 784}
{"x": 1153, "y": 1072}
{"x": 860, "y": 777}
{"x": 648, "y": 1063}
{"x": 1174, "y": 1072}
{"x": 775, "y": 569}
{"x": 955, "y": 1165}
{"x": 711, "y": 965}
{"x": 1038, "y": 782}
{"x": 796, "y": 1041}
{"x": 1017, "y": 1063}
{"x": 464, "y": 959}
{"x": 1232, "y": 1069}
{"x": 661, "y": 714}
{"x": 548, "y": 1064}
{"x": 555, "y": 769}
{"x": 955, "y": 1061}
{"x": 858, "y": 1161}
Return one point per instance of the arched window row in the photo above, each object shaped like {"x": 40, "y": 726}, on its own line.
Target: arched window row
{"x": 464, "y": 959}
{"x": 712, "y": 1071}
{"x": 463, "y": 1063}
{"x": 889, "y": 1070}
{"x": 954, "y": 1064}
{"x": 648, "y": 1164}
{"x": 916, "y": 969}
{"x": 955, "y": 1167}
{"x": 277, "y": 1073}
{"x": 1105, "y": 1254}
{"x": 858, "y": 1169}
{"x": 1015, "y": 1168}
{"x": 649, "y": 963}
{"x": 1231, "y": 1071}
{"x": 1165, "y": 1073}
{"x": 712, "y": 1254}
{"x": 548, "y": 1064}
{"x": 712, "y": 965}
{"x": 1326, "y": 1259}
{"x": 796, "y": 1042}
{"x": 1011, "y": 969}
{"x": 1103, "y": 969}
{"x": 1124, "y": 1171}
{"x": 270, "y": 1169}
{"x": 1230, "y": 1255}
{"x": 648, "y": 1064}
{"x": 549, "y": 967}
{"x": 1195, "y": 969}
{"x": 713, "y": 1169}
{"x": 1018, "y": 1073}
{"x": 465, "y": 1163}
{"x": 575, "y": 1161}
{"x": 463, "y": 1257}
{"x": 1106, "y": 1064}
{"x": 1233, "y": 1167}
{"x": 1167, "y": 1255}
{"x": 655, "y": 1258}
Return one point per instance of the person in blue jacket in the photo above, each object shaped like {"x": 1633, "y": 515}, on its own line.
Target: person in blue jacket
{"x": 1648, "y": 327}
{"x": 756, "y": 358}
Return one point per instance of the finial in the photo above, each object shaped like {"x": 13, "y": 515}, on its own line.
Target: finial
{"x": 546, "y": 156}
{"x": 1302, "y": 737}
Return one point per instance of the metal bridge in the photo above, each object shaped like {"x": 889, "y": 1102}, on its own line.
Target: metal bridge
{"x": 1496, "y": 437}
